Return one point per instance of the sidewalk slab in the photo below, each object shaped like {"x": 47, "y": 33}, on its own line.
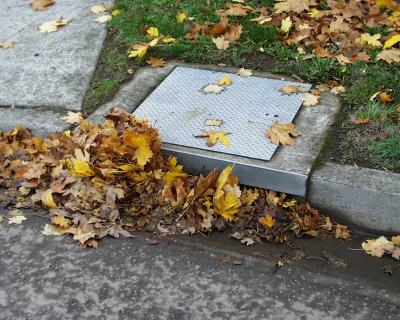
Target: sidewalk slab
{"x": 48, "y": 69}
{"x": 289, "y": 167}
{"x": 365, "y": 198}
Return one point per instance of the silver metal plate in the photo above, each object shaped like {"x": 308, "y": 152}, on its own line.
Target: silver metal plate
{"x": 179, "y": 108}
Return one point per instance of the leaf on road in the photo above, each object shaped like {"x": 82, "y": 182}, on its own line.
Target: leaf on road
{"x": 213, "y": 122}
{"x": 153, "y": 62}
{"x": 225, "y": 80}
{"x": 72, "y": 117}
{"x": 40, "y": 5}
{"x": 50, "y": 230}
{"x": 244, "y": 72}
{"x": 214, "y": 88}
{"x": 280, "y": 133}
{"x": 310, "y": 99}
{"x": 100, "y": 8}
{"x": 289, "y": 89}
{"x": 378, "y": 247}
{"x": 47, "y": 199}
{"x": 213, "y": 136}
{"x": 52, "y": 26}
{"x": 103, "y": 19}
{"x": 7, "y": 44}
{"x": 16, "y": 220}
{"x": 247, "y": 241}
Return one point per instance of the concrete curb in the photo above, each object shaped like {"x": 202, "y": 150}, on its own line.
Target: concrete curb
{"x": 364, "y": 198}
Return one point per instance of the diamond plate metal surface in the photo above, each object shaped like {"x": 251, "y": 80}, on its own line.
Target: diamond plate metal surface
{"x": 180, "y": 107}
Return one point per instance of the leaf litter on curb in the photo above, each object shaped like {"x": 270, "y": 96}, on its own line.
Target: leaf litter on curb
{"x": 112, "y": 179}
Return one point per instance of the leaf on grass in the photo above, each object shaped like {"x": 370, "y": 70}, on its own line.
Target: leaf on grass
{"x": 213, "y": 88}
{"x": 116, "y": 12}
{"x": 343, "y": 60}
{"x": 100, "y": 8}
{"x": 286, "y": 24}
{"x": 296, "y": 6}
{"x": 293, "y": 89}
{"x": 168, "y": 39}
{"x": 338, "y": 89}
{"x": 221, "y": 43}
{"x": 16, "y": 220}
{"x": 372, "y": 41}
{"x": 310, "y": 99}
{"x": 52, "y": 26}
{"x": 213, "y": 122}
{"x": 181, "y": 16}
{"x": 7, "y": 44}
{"x": 153, "y": 32}
{"x": 244, "y": 72}
{"x": 268, "y": 221}
{"x": 40, "y": 5}
{"x": 392, "y": 41}
{"x": 213, "y": 136}
{"x": 390, "y": 56}
{"x": 103, "y": 19}
{"x": 153, "y": 62}
{"x": 72, "y": 117}
{"x": 225, "y": 80}
{"x": 360, "y": 120}
{"x": 384, "y": 97}
{"x": 280, "y": 133}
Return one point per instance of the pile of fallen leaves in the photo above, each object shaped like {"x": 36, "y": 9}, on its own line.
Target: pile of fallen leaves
{"x": 110, "y": 179}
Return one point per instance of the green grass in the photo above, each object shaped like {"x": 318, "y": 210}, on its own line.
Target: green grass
{"x": 387, "y": 150}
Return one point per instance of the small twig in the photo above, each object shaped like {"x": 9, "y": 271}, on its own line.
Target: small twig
{"x": 250, "y": 121}
{"x": 316, "y": 258}
{"x": 183, "y": 213}
{"x": 355, "y": 249}
{"x": 157, "y": 120}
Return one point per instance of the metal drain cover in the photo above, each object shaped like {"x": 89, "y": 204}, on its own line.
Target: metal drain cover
{"x": 247, "y": 107}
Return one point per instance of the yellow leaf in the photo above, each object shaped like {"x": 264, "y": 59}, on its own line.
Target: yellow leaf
{"x": 140, "y": 142}
{"x": 289, "y": 204}
{"x": 391, "y": 55}
{"x": 225, "y": 80}
{"x": 222, "y": 179}
{"x": 61, "y": 221}
{"x": 52, "y": 26}
{"x": 172, "y": 176}
{"x": 68, "y": 133}
{"x": 213, "y": 136}
{"x": 153, "y": 42}
{"x": 313, "y": 13}
{"x": 116, "y": 12}
{"x": 103, "y": 19}
{"x": 286, "y": 24}
{"x": 280, "y": 133}
{"x": 80, "y": 156}
{"x": 100, "y": 8}
{"x": 139, "y": 51}
{"x": 227, "y": 206}
{"x": 293, "y": 89}
{"x": 153, "y": 32}
{"x": 268, "y": 221}
{"x": 140, "y": 177}
{"x": 392, "y": 41}
{"x": 396, "y": 240}
{"x": 82, "y": 169}
{"x": 366, "y": 38}
{"x": 168, "y": 40}
{"x": 47, "y": 199}
{"x": 310, "y": 99}
{"x": 180, "y": 17}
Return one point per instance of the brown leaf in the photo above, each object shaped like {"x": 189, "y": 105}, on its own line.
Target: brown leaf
{"x": 362, "y": 120}
{"x": 7, "y": 44}
{"x": 292, "y": 89}
{"x": 153, "y": 62}
{"x": 40, "y": 5}
{"x": 280, "y": 133}
{"x": 153, "y": 241}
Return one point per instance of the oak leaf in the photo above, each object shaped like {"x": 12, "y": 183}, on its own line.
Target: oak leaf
{"x": 72, "y": 117}
{"x": 7, "y": 44}
{"x": 40, "y": 5}
{"x": 292, "y": 89}
{"x": 153, "y": 62}
{"x": 268, "y": 221}
{"x": 213, "y": 88}
{"x": 103, "y": 19}
{"x": 310, "y": 99}
{"x": 213, "y": 136}
{"x": 100, "y": 8}
{"x": 280, "y": 133}
{"x": 392, "y": 55}
{"x": 52, "y": 26}
{"x": 244, "y": 72}
{"x": 225, "y": 80}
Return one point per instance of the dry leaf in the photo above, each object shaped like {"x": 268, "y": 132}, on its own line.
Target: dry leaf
{"x": 50, "y": 230}
{"x": 213, "y": 136}
{"x": 40, "y": 5}
{"x": 391, "y": 41}
{"x": 100, "y": 8}
{"x": 337, "y": 90}
{"x": 384, "y": 97}
{"x": 392, "y": 55}
{"x": 103, "y": 19}
{"x": 213, "y": 122}
{"x": 247, "y": 241}
{"x": 221, "y": 43}
{"x": 52, "y": 26}
{"x": 286, "y": 24}
{"x": 310, "y": 99}
{"x": 244, "y": 72}
{"x": 280, "y": 133}
{"x": 153, "y": 62}
{"x": 7, "y": 44}
{"x": 293, "y": 89}
{"x": 16, "y": 220}
{"x": 268, "y": 221}
{"x": 213, "y": 88}
{"x": 130, "y": 71}
{"x": 153, "y": 32}
{"x": 360, "y": 120}
{"x": 72, "y": 117}
{"x": 378, "y": 247}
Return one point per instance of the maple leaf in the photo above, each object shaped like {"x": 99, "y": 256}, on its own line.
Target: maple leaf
{"x": 100, "y": 8}
{"x": 338, "y": 25}
{"x": 235, "y": 10}
{"x": 337, "y": 90}
{"x": 248, "y": 196}
{"x": 103, "y": 19}
{"x": 153, "y": 62}
{"x": 52, "y": 26}
{"x": 72, "y": 117}
{"x": 153, "y": 32}
{"x": 280, "y": 133}
{"x": 83, "y": 236}
{"x": 7, "y": 44}
{"x": 227, "y": 206}
{"x": 268, "y": 221}
{"x": 392, "y": 55}
{"x": 310, "y": 99}
{"x": 213, "y": 88}
{"x": 221, "y": 43}
{"x": 141, "y": 143}
{"x": 141, "y": 49}
{"x": 296, "y": 6}
{"x": 16, "y": 220}
{"x": 225, "y": 80}
{"x": 213, "y": 122}
{"x": 40, "y": 5}
{"x": 61, "y": 221}
{"x": 82, "y": 169}
{"x": 213, "y": 136}
{"x": 171, "y": 176}
{"x": 47, "y": 199}
{"x": 233, "y": 33}
{"x": 384, "y": 97}
{"x": 50, "y": 230}
{"x": 392, "y": 41}
{"x": 366, "y": 38}
{"x": 244, "y": 72}
{"x": 181, "y": 16}
{"x": 286, "y": 24}
{"x": 292, "y": 89}
{"x": 378, "y": 247}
